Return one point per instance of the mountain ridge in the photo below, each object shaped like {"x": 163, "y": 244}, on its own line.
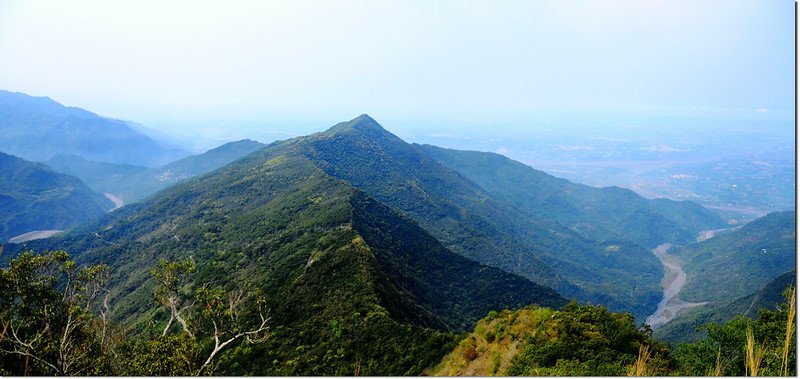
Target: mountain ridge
{"x": 471, "y": 222}
{"x": 731, "y": 264}
{"x": 602, "y": 214}
{"x": 38, "y": 128}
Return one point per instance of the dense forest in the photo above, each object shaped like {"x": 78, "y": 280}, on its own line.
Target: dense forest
{"x": 56, "y": 320}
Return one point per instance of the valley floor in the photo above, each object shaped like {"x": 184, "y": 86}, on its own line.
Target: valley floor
{"x": 674, "y": 279}
{"x": 118, "y": 203}
{"x": 33, "y": 235}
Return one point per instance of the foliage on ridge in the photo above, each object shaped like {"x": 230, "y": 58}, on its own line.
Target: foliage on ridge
{"x": 734, "y": 264}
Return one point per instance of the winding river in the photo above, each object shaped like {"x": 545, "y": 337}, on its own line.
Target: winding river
{"x": 674, "y": 279}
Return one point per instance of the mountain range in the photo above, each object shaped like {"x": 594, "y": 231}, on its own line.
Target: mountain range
{"x": 38, "y": 128}
{"x": 375, "y": 253}
{"x": 482, "y": 226}
{"x": 463, "y": 216}
{"x": 323, "y": 251}
{"x": 133, "y": 183}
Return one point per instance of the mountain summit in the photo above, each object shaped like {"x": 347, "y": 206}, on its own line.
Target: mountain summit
{"x": 363, "y": 123}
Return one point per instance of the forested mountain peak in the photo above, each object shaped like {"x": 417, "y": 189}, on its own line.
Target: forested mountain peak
{"x": 363, "y": 123}
{"x": 470, "y": 221}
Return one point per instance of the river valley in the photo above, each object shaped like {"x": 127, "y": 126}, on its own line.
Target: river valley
{"x": 674, "y": 279}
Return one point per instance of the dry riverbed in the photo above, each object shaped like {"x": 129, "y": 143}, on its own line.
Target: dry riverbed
{"x": 674, "y": 279}
{"x": 118, "y": 203}
{"x": 34, "y": 235}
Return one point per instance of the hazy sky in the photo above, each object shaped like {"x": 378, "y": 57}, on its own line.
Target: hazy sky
{"x": 227, "y": 63}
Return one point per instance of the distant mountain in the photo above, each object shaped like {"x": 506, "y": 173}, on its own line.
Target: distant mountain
{"x": 684, "y": 328}
{"x": 348, "y": 280}
{"x": 38, "y": 128}
{"x": 600, "y": 214}
{"x": 163, "y": 139}
{"x": 212, "y": 159}
{"x": 732, "y": 265}
{"x": 133, "y": 183}
{"x": 34, "y": 197}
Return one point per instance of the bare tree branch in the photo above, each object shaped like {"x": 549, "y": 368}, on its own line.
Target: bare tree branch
{"x": 219, "y": 346}
{"x": 29, "y": 349}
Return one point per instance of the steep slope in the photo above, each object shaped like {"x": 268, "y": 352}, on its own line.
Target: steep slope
{"x": 38, "y": 128}
{"x": 601, "y": 214}
{"x": 684, "y": 328}
{"x": 34, "y": 197}
{"x": 350, "y": 282}
{"x": 133, "y": 183}
{"x": 733, "y": 264}
{"x": 471, "y": 222}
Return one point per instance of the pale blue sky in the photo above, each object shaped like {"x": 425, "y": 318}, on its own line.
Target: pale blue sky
{"x": 200, "y": 64}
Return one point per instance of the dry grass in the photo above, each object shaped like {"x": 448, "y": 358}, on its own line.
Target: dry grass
{"x": 719, "y": 369}
{"x": 640, "y": 367}
{"x": 788, "y": 342}
{"x": 754, "y": 354}
{"x": 477, "y": 356}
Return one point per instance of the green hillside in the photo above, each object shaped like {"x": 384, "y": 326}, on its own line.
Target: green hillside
{"x": 133, "y": 183}
{"x": 600, "y": 214}
{"x": 497, "y": 229}
{"x": 34, "y": 197}
{"x": 350, "y": 283}
{"x": 733, "y": 264}
{"x": 471, "y": 222}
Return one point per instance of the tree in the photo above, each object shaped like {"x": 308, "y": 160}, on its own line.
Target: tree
{"x": 742, "y": 346}
{"x": 171, "y": 277}
{"x": 213, "y": 316}
{"x": 47, "y": 306}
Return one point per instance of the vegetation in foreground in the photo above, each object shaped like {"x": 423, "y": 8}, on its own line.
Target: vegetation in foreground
{"x": 582, "y": 340}
{"x": 54, "y": 320}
